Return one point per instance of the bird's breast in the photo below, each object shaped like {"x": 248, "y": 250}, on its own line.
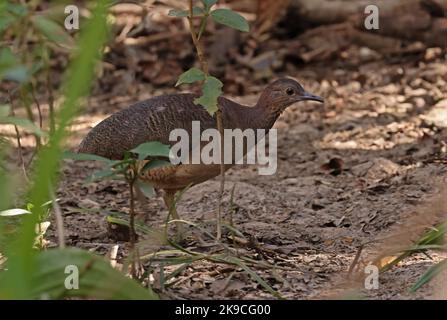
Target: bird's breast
{"x": 180, "y": 176}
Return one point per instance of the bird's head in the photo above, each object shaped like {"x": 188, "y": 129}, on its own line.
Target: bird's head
{"x": 284, "y": 92}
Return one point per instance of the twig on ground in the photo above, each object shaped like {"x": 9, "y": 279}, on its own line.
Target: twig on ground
{"x": 19, "y": 143}
{"x": 59, "y": 220}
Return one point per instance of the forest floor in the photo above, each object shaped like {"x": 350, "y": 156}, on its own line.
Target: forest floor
{"x": 386, "y": 144}
{"x": 354, "y": 171}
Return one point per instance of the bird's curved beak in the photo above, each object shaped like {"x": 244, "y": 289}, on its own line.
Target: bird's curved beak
{"x": 310, "y": 96}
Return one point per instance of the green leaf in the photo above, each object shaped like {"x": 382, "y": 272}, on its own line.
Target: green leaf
{"x": 153, "y": 148}
{"x": 24, "y": 123}
{"x": 13, "y": 212}
{"x": 101, "y": 174}
{"x": 97, "y": 279}
{"x": 146, "y": 188}
{"x": 7, "y": 59}
{"x": 435, "y": 235}
{"x": 176, "y": 272}
{"x": 17, "y": 74}
{"x": 47, "y": 203}
{"x": 122, "y": 219}
{"x": 36, "y": 66}
{"x": 211, "y": 91}
{"x": 191, "y": 76}
{"x": 17, "y": 9}
{"x": 231, "y": 19}
{"x": 429, "y": 275}
{"x": 84, "y": 157}
{"x": 53, "y": 32}
{"x": 196, "y": 11}
{"x": 208, "y": 4}
{"x": 10, "y": 67}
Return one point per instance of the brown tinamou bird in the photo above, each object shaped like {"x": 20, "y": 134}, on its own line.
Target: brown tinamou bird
{"x": 155, "y": 118}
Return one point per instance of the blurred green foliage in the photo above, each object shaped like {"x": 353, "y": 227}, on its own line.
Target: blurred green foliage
{"x": 27, "y": 272}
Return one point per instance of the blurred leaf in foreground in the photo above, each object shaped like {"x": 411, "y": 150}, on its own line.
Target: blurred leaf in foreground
{"x": 97, "y": 279}
{"x": 21, "y": 257}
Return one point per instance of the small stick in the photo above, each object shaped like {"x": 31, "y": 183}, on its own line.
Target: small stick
{"x": 132, "y": 229}
{"x": 59, "y": 220}
{"x": 227, "y": 281}
{"x": 222, "y": 174}
{"x": 33, "y": 94}
{"x": 355, "y": 261}
{"x": 195, "y": 40}
{"x": 19, "y": 144}
{"x": 204, "y": 66}
{"x": 50, "y": 96}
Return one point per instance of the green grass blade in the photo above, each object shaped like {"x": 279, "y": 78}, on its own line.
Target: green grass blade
{"x": 432, "y": 272}
{"x": 253, "y": 275}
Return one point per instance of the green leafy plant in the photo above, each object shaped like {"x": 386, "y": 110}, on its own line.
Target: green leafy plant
{"x": 26, "y": 64}
{"x": 50, "y": 276}
{"x": 130, "y": 169}
{"x": 42, "y": 222}
{"x": 26, "y": 124}
{"x": 211, "y": 86}
{"x": 29, "y": 273}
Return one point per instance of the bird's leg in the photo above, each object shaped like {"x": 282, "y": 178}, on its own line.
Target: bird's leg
{"x": 169, "y": 199}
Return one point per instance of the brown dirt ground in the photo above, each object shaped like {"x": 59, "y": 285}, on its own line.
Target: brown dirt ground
{"x": 357, "y": 170}
{"x": 310, "y": 220}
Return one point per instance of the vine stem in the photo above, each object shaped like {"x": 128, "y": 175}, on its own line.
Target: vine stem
{"x": 196, "y": 42}
{"x": 50, "y": 94}
{"x": 132, "y": 232}
{"x": 19, "y": 143}
{"x": 204, "y": 66}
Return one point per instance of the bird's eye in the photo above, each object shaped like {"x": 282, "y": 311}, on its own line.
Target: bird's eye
{"x": 290, "y": 91}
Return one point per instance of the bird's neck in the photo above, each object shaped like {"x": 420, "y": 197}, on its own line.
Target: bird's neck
{"x": 264, "y": 116}
{"x": 260, "y": 116}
